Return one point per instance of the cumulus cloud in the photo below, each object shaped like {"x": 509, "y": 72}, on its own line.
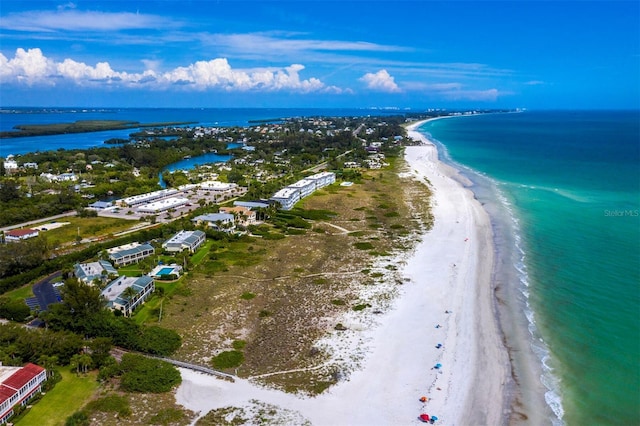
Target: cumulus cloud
{"x": 32, "y": 67}
{"x": 381, "y": 81}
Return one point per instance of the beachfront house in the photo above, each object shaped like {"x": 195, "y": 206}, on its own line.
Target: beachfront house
{"x": 18, "y": 385}
{"x": 120, "y": 298}
{"x": 224, "y": 222}
{"x": 243, "y": 215}
{"x": 185, "y": 240}
{"x": 130, "y": 253}
{"x": 101, "y": 270}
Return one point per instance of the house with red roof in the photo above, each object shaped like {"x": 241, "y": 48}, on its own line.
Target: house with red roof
{"x": 17, "y": 386}
{"x": 20, "y": 234}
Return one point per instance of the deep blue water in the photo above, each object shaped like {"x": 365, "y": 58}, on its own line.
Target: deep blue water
{"x": 571, "y": 182}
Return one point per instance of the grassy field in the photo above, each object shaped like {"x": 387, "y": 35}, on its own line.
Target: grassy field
{"x": 93, "y": 227}
{"x": 19, "y": 293}
{"x": 68, "y": 396}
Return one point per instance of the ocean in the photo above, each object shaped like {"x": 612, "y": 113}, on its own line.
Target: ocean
{"x": 563, "y": 191}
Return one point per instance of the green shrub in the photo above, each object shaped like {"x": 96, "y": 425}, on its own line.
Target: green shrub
{"x": 363, "y": 246}
{"x": 361, "y": 307}
{"x": 79, "y": 418}
{"x": 167, "y": 416}
{"x": 239, "y": 344}
{"x": 111, "y": 404}
{"x": 227, "y": 359}
{"x": 141, "y": 374}
{"x": 247, "y": 295}
{"x": 338, "y": 302}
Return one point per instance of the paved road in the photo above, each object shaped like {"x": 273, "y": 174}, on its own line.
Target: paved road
{"x": 33, "y": 222}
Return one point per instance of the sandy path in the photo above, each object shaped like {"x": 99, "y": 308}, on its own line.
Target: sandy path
{"x": 450, "y": 270}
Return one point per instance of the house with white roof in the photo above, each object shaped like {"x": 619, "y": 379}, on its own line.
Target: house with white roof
{"x": 185, "y": 240}
{"x": 219, "y": 221}
{"x": 87, "y": 272}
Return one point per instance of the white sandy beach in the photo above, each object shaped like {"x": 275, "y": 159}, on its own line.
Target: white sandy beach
{"x": 449, "y": 270}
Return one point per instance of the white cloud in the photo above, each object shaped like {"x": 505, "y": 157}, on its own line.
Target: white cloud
{"x": 27, "y": 66}
{"x": 472, "y": 95}
{"x": 534, "y": 83}
{"x": 32, "y": 67}
{"x": 68, "y": 19}
{"x": 454, "y": 91}
{"x": 381, "y": 81}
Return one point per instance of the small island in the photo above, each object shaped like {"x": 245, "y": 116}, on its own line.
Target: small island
{"x": 80, "y": 126}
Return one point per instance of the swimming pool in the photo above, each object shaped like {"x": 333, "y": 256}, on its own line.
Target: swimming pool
{"x": 165, "y": 271}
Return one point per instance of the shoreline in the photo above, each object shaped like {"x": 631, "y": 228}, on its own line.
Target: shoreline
{"x": 448, "y": 284}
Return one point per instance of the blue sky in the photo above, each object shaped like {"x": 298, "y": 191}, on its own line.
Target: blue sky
{"x": 306, "y": 53}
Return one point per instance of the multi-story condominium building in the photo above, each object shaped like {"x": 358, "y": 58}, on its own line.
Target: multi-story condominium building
{"x": 130, "y": 253}
{"x": 287, "y": 197}
{"x": 185, "y": 240}
{"x": 126, "y": 301}
{"x": 17, "y": 386}
{"x": 305, "y": 186}
{"x": 322, "y": 179}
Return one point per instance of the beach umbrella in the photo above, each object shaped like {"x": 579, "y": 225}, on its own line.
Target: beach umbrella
{"x": 434, "y": 418}
{"x": 437, "y": 365}
{"x": 424, "y": 417}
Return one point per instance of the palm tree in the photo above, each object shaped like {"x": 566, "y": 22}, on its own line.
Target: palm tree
{"x": 128, "y": 294}
{"x": 49, "y": 363}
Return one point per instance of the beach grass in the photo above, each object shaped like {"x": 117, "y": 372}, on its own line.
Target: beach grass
{"x": 297, "y": 283}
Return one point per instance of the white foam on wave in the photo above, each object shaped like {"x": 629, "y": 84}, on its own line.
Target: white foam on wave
{"x": 553, "y": 396}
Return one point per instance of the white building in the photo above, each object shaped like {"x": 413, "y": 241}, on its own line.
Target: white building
{"x": 146, "y": 198}
{"x": 87, "y": 272}
{"x": 10, "y": 165}
{"x": 185, "y": 240}
{"x": 20, "y": 234}
{"x": 17, "y": 386}
{"x": 117, "y": 299}
{"x": 322, "y": 179}
{"x": 287, "y": 197}
{"x": 162, "y": 205}
{"x": 219, "y": 221}
{"x": 130, "y": 253}
{"x": 304, "y": 186}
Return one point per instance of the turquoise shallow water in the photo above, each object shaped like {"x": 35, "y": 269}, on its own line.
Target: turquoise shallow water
{"x": 571, "y": 182}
